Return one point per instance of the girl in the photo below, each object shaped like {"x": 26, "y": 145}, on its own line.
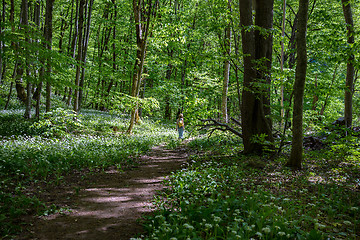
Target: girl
{"x": 180, "y": 127}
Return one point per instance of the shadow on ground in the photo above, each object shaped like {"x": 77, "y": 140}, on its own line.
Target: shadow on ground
{"x": 109, "y": 207}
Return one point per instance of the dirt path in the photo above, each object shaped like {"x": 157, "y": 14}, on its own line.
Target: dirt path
{"x": 109, "y": 207}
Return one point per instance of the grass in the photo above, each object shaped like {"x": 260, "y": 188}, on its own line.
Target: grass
{"x": 60, "y": 143}
{"x": 236, "y": 197}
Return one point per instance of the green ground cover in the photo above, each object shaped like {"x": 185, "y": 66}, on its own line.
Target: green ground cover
{"x": 60, "y": 143}
{"x": 237, "y": 197}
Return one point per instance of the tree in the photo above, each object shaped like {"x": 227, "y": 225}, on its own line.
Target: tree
{"x": 48, "y": 39}
{"x": 257, "y": 52}
{"x": 349, "y": 88}
{"x": 227, "y": 51}
{"x": 143, "y": 11}
{"x": 296, "y": 155}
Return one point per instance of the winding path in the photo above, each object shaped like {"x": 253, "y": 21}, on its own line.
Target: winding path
{"x": 110, "y": 207}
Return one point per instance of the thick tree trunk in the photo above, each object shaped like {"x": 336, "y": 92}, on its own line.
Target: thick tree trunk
{"x": 350, "y": 72}
{"x": 296, "y": 154}
{"x": 254, "y": 122}
{"x": 263, "y": 49}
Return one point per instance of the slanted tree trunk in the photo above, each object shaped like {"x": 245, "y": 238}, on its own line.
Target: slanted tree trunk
{"x": 350, "y": 72}
{"x": 296, "y": 154}
{"x": 255, "y": 47}
{"x": 142, "y": 15}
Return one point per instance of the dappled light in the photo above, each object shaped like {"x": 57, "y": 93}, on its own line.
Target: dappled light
{"x": 180, "y": 119}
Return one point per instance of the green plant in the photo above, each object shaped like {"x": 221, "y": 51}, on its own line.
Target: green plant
{"x": 58, "y": 123}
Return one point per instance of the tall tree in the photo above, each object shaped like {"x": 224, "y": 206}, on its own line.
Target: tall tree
{"x": 85, "y": 48}
{"x": 296, "y": 155}
{"x": 143, "y": 11}
{"x": 227, "y": 46}
{"x": 24, "y": 23}
{"x": 79, "y": 57}
{"x": 48, "y": 38}
{"x": 350, "y": 72}
{"x": 257, "y": 52}
{"x": 19, "y": 65}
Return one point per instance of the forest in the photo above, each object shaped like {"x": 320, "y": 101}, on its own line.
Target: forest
{"x": 92, "y": 90}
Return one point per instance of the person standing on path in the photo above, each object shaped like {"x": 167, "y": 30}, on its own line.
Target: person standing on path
{"x": 180, "y": 126}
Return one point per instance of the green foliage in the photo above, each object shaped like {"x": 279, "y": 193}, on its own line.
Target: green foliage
{"x": 228, "y": 198}
{"x": 58, "y": 123}
{"x": 67, "y": 143}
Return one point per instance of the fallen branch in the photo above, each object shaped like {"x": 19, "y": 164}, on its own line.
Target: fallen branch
{"x": 216, "y": 125}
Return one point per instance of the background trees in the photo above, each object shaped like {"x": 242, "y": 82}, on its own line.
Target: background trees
{"x": 209, "y": 59}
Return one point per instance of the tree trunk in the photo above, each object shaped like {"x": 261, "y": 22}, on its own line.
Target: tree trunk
{"x": 142, "y": 21}
{"x": 24, "y": 22}
{"x": 350, "y": 72}
{"x": 226, "y": 75}
{"x": 282, "y": 112}
{"x": 79, "y": 55}
{"x": 37, "y": 93}
{"x": 21, "y": 94}
{"x": 254, "y": 122}
{"x": 263, "y": 50}
{"x": 2, "y": 63}
{"x": 48, "y": 38}
{"x": 84, "y": 54}
{"x": 296, "y": 154}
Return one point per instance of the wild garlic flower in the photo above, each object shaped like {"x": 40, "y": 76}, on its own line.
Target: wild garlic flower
{"x": 266, "y": 230}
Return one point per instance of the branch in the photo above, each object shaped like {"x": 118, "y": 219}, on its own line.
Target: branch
{"x": 219, "y": 126}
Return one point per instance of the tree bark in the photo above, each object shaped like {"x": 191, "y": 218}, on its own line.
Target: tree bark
{"x": 48, "y": 38}
{"x": 142, "y": 23}
{"x": 263, "y": 50}
{"x": 296, "y": 154}
{"x": 350, "y": 72}
{"x": 84, "y": 54}
{"x": 226, "y": 77}
{"x": 254, "y": 122}
{"x": 79, "y": 55}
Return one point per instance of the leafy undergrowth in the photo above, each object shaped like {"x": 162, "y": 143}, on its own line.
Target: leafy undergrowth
{"x": 240, "y": 197}
{"x": 61, "y": 143}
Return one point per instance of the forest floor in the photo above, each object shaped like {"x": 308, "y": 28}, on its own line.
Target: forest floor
{"x": 107, "y": 204}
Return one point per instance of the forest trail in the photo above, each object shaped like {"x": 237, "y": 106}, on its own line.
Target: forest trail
{"x": 109, "y": 207}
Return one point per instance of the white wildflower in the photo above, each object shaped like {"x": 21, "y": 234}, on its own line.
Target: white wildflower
{"x": 266, "y": 230}
{"x": 188, "y": 226}
{"x": 208, "y": 225}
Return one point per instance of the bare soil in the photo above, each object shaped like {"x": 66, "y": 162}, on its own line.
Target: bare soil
{"x": 108, "y": 204}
